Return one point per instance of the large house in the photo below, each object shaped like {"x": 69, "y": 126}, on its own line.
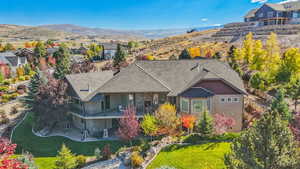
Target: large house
{"x": 275, "y": 14}
{"x": 194, "y": 86}
{"x": 12, "y": 59}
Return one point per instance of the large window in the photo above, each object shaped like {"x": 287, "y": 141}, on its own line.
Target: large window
{"x": 270, "y": 14}
{"x": 199, "y": 105}
{"x": 184, "y": 104}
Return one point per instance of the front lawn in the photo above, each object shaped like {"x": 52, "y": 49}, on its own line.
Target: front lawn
{"x": 202, "y": 156}
{"x": 45, "y": 149}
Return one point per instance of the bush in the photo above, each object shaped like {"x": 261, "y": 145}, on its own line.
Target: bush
{"x": 4, "y": 88}
{"x": 6, "y": 82}
{"x": 27, "y": 77}
{"x": 21, "y": 78}
{"x": 4, "y": 119}
{"x": 97, "y": 153}
{"x": 136, "y": 159}
{"x": 80, "y": 160}
{"x": 14, "y": 95}
{"x": 14, "y": 110}
{"x": 106, "y": 153}
{"x": 4, "y": 100}
{"x": 197, "y": 138}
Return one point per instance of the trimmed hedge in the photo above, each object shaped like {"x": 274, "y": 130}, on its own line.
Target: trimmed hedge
{"x": 197, "y": 138}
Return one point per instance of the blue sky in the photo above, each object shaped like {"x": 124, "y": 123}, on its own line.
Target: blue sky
{"x": 126, "y": 14}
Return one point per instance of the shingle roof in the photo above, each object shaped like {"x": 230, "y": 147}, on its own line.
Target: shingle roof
{"x": 86, "y": 83}
{"x": 196, "y": 92}
{"x": 277, "y": 7}
{"x": 251, "y": 13}
{"x": 172, "y": 77}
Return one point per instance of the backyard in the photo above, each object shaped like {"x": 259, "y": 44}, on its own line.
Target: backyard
{"x": 45, "y": 149}
{"x": 201, "y": 156}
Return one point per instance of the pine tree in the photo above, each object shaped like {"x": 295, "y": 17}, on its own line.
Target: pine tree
{"x": 120, "y": 56}
{"x": 65, "y": 159}
{"x": 185, "y": 55}
{"x": 63, "y": 63}
{"x": 294, "y": 92}
{"x": 281, "y": 106}
{"x": 269, "y": 144}
{"x": 33, "y": 89}
{"x": 206, "y": 124}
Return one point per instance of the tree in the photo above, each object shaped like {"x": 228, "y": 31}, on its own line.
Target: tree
{"x": 293, "y": 92}
{"x": 290, "y": 66}
{"x": 206, "y": 125}
{"x": 185, "y": 55}
{"x": 222, "y": 123}
{"x": 40, "y": 50}
{"x": 8, "y": 47}
{"x": 188, "y": 121}
{"x": 149, "y": 125}
{"x": 94, "y": 52}
{"x": 295, "y": 126}
{"x": 65, "y": 159}
{"x": 167, "y": 118}
{"x": 7, "y": 150}
{"x": 281, "y": 106}
{"x": 129, "y": 125}
{"x": 120, "y": 56}
{"x": 269, "y": 144}
{"x": 63, "y": 64}
{"x": 257, "y": 81}
{"x": 106, "y": 153}
{"x": 257, "y": 60}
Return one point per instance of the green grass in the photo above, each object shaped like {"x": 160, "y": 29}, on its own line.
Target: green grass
{"x": 202, "y": 156}
{"x": 45, "y": 149}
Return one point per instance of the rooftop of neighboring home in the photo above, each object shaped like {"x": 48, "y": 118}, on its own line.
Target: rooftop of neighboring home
{"x": 283, "y": 7}
{"x": 172, "y": 77}
{"x": 110, "y": 46}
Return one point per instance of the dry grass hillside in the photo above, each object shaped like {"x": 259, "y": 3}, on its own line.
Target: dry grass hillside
{"x": 172, "y": 46}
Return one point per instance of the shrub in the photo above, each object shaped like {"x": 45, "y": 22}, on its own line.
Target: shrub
{"x": 4, "y": 88}
{"x": 80, "y": 160}
{"x": 167, "y": 118}
{"x": 4, "y": 100}
{"x": 21, "y": 78}
{"x": 98, "y": 154}
{"x": 6, "y": 82}
{"x": 65, "y": 159}
{"x": 197, "y": 138}
{"x": 27, "y": 77}
{"x": 4, "y": 119}
{"x": 14, "y": 110}
{"x": 136, "y": 159}
{"x": 106, "y": 153}
{"x": 14, "y": 95}
{"x": 206, "y": 125}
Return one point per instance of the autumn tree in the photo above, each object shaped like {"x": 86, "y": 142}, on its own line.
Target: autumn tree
{"x": 269, "y": 144}
{"x": 290, "y": 66}
{"x": 8, "y": 47}
{"x": 167, "y": 117}
{"x": 128, "y": 125}
{"x": 188, "y": 121}
{"x": 94, "y": 52}
{"x": 257, "y": 60}
{"x": 149, "y": 125}
{"x": 222, "y": 123}
{"x": 120, "y": 56}
{"x": 63, "y": 63}
{"x": 39, "y": 52}
{"x": 65, "y": 159}
{"x": 7, "y": 161}
{"x": 245, "y": 54}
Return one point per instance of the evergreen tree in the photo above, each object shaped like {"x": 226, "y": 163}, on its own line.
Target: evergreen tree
{"x": 294, "y": 92}
{"x": 281, "y": 106}
{"x": 269, "y": 144}
{"x": 65, "y": 159}
{"x": 63, "y": 63}
{"x": 33, "y": 89}
{"x": 206, "y": 124}
{"x": 120, "y": 55}
{"x": 185, "y": 55}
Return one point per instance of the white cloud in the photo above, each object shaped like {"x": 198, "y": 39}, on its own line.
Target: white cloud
{"x": 217, "y": 24}
{"x": 204, "y": 19}
{"x": 287, "y": 1}
{"x": 258, "y": 1}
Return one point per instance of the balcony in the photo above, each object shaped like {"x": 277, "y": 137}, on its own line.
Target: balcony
{"x": 114, "y": 113}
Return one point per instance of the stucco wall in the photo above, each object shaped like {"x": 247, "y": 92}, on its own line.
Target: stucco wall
{"x": 98, "y": 125}
{"x": 232, "y": 109}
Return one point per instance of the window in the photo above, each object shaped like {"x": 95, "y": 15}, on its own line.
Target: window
{"x": 229, "y": 99}
{"x": 270, "y": 14}
{"x": 236, "y": 100}
{"x": 155, "y": 99}
{"x": 261, "y": 15}
{"x": 184, "y": 104}
{"x": 131, "y": 99}
{"x": 223, "y": 100}
{"x": 107, "y": 102}
{"x": 199, "y": 106}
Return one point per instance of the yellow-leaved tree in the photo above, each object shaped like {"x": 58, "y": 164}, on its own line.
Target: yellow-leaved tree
{"x": 258, "y": 59}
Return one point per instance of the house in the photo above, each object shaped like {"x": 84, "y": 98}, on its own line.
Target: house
{"x": 109, "y": 50}
{"x": 12, "y": 59}
{"x": 275, "y": 14}
{"x": 194, "y": 86}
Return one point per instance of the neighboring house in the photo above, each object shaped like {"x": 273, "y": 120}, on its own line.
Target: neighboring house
{"x": 110, "y": 50}
{"x": 12, "y": 59}
{"x": 78, "y": 51}
{"x": 275, "y": 14}
{"x": 192, "y": 85}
